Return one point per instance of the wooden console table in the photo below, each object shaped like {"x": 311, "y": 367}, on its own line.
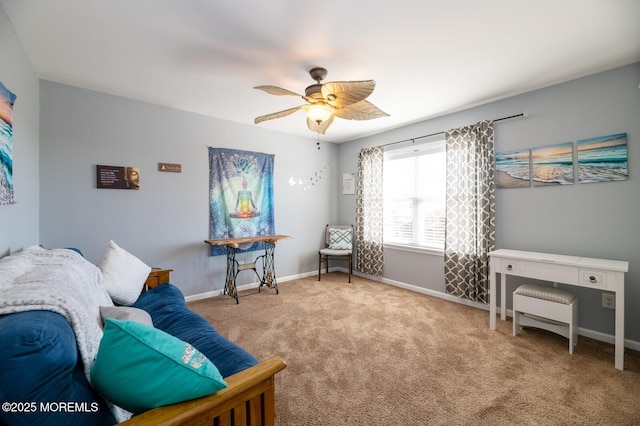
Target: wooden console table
{"x": 600, "y": 274}
{"x": 268, "y": 276}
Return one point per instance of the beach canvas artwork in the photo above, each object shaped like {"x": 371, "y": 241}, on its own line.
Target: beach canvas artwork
{"x": 512, "y": 169}
{"x": 603, "y": 159}
{"x": 552, "y": 165}
{"x": 6, "y": 145}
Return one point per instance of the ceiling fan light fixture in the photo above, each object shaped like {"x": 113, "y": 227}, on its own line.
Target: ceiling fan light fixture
{"x": 325, "y": 101}
{"x": 319, "y": 112}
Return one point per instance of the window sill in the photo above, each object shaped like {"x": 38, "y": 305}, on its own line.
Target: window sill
{"x": 414, "y": 249}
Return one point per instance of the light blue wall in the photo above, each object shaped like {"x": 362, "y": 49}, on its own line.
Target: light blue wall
{"x": 592, "y": 220}
{"x": 19, "y": 222}
{"x": 61, "y": 133}
{"x": 166, "y": 222}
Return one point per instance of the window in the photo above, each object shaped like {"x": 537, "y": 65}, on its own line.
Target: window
{"x": 414, "y": 195}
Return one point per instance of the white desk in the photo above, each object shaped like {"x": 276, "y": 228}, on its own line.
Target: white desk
{"x": 600, "y": 274}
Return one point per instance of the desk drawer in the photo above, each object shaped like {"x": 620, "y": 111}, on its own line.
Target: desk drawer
{"x": 593, "y": 278}
{"x": 509, "y": 266}
{"x": 547, "y": 271}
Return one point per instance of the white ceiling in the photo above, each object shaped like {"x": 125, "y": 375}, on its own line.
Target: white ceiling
{"x": 428, "y": 57}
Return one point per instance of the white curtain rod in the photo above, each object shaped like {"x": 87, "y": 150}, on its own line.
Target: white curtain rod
{"x": 522, "y": 114}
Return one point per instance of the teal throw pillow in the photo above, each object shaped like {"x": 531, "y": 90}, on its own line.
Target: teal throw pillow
{"x": 340, "y": 239}
{"x": 139, "y": 367}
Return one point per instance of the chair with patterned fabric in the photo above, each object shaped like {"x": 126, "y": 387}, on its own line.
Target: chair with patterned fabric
{"x": 338, "y": 246}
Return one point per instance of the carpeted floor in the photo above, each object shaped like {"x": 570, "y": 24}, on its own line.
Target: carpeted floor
{"x": 368, "y": 353}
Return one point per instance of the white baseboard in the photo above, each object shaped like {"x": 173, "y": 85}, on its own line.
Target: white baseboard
{"x": 201, "y": 296}
{"x": 595, "y": 335}
{"x": 243, "y": 287}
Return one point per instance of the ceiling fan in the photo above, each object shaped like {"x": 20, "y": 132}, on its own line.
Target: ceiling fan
{"x": 342, "y": 99}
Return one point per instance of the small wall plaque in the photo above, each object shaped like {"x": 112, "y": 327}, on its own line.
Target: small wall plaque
{"x": 169, "y": 167}
{"x": 348, "y": 183}
{"x": 117, "y": 177}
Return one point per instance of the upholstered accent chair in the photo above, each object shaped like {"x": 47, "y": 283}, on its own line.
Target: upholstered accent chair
{"x": 338, "y": 246}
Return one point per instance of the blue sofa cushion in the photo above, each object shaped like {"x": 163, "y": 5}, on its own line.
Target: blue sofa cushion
{"x": 41, "y": 367}
{"x": 170, "y": 313}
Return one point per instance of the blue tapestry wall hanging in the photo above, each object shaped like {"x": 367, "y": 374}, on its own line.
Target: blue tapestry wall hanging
{"x": 6, "y": 145}
{"x": 240, "y": 196}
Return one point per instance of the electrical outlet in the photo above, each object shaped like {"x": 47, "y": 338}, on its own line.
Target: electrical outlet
{"x": 608, "y": 301}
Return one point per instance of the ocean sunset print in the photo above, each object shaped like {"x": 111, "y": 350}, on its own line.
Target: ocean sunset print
{"x": 552, "y": 165}
{"x": 603, "y": 159}
{"x": 6, "y": 133}
{"x": 512, "y": 169}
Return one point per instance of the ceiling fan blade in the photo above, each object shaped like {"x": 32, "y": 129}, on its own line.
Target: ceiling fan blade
{"x": 319, "y": 128}
{"x": 278, "y": 114}
{"x": 279, "y": 91}
{"x": 363, "y": 110}
{"x": 341, "y": 93}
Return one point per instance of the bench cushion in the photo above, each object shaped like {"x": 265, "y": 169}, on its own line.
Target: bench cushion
{"x": 551, "y": 294}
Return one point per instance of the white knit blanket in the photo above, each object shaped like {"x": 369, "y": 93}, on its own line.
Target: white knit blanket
{"x": 61, "y": 281}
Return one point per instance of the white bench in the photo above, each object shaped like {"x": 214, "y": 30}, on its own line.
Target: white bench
{"x": 548, "y": 308}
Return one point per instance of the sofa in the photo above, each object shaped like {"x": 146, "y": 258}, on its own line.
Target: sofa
{"x": 72, "y": 356}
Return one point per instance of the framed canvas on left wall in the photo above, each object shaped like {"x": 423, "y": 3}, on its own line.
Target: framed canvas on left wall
{"x": 7, "y": 98}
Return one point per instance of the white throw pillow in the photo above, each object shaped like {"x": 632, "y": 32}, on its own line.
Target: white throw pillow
{"x": 123, "y": 274}
{"x": 125, "y": 313}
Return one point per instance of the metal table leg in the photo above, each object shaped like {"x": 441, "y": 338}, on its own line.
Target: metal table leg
{"x": 268, "y": 267}
{"x": 232, "y": 272}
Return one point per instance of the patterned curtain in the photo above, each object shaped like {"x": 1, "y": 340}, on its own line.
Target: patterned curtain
{"x": 370, "y": 252}
{"x": 470, "y": 226}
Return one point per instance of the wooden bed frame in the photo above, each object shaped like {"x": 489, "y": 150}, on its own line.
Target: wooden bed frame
{"x": 248, "y": 400}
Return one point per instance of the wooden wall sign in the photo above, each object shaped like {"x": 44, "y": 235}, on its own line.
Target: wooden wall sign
{"x": 169, "y": 167}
